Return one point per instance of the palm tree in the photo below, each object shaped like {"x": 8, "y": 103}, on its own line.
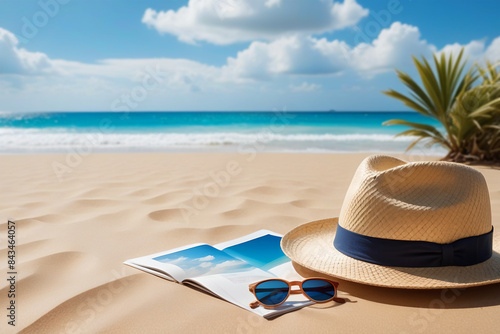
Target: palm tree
{"x": 469, "y": 115}
{"x": 490, "y": 74}
{"x": 476, "y": 124}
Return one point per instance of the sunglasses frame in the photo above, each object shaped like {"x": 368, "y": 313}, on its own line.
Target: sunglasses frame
{"x": 256, "y": 303}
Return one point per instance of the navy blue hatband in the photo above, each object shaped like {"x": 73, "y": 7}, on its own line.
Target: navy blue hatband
{"x": 406, "y": 253}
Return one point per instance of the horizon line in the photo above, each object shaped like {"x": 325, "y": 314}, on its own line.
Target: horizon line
{"x": 202, "y": 111}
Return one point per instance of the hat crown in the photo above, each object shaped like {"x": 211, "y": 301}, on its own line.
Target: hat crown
{"x": 431, "y": 201}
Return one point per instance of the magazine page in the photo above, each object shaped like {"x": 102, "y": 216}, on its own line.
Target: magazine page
{"x": 258, "y": 257}
{"x": 233, "y": 287}
{"x": 191, "y": 261}
{"x": 169, "y": 266}
{"x": 158, "y": 264}
{"x": 262, "y": 249}
{"x": 227, "y": 269}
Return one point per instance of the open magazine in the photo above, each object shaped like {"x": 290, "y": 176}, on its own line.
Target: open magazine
{"x": 226, "y": 269}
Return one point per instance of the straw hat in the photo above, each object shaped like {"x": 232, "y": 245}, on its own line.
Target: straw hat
{"x": 418, "y": 225}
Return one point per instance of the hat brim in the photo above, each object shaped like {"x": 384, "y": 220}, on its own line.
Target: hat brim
{"x": 311, "y": 246}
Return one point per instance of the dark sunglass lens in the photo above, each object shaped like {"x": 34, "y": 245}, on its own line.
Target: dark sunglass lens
{"x": 318, "y": 290}
{"x": 271, "y": 292}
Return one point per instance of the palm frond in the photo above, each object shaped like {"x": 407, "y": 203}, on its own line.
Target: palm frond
{"x": 447, "y": 92}
{"x": 420, "y": 126}
{"x": 407, "y": 101}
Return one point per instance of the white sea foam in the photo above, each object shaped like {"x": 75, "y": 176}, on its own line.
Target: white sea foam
{"x": 12, "y": 139}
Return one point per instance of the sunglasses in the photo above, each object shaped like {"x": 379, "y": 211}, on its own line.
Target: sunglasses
{"x": 273, "y": 292}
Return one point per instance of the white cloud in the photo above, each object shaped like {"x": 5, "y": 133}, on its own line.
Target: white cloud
{"x": 474, "y": 49}
{"x": 176, "y": 75}
{"x": 178, "y": 260}
{"x": 230, "y": 21}
{"x": 310, "y": 56}
{"x": 305, "y": 87}
{"x": 231, "y": 264}
{"x": 273, "y": 3}
{"x": 392, "y": 48}
{"x": 14, "y": 60}
{"x": 347, "y": 14}
{"x": 210, "y": 269}
{"x": 306, "y": 55}
{"x": 289, "y": 55}
{"x": 62, "y": 84}
{"x": 205, "y": 264}
{"x": 206, "y": 258}
{"x": 493, "y": 52}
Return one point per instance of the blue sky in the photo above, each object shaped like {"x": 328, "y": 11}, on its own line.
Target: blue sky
{"x": 66, "y": 55}
{"x": 264, "y": 252}
{"x": 204, "y": 260}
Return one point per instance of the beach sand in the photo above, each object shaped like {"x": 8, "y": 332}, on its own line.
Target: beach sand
{"x": 76, "y": 225}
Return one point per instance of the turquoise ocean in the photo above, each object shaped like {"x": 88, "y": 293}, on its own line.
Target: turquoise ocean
{"x": 279, "y": 131}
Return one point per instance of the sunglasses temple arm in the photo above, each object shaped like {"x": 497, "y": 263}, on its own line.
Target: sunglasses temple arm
{"x": 254, "y": 304}
{"x": 339, "y": 300}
